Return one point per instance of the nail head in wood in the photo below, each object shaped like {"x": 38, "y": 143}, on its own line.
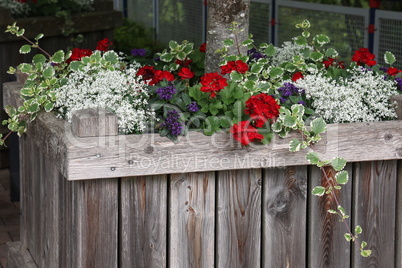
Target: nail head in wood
{"x": 94, "y": 122}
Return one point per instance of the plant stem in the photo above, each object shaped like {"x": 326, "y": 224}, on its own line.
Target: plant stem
{"x": 32, "y": 43}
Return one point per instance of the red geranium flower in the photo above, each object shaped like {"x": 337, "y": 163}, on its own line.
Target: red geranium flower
{"x": 261, "y": 108}
{"x": 238, "y": 66}
{"x": 147, "y": 72}
{"x": 104, "y": 44}
{"x": 245, "y": 133}
{"x": 212, "y": 83}
{"x": 186, "y": 73}
{"x": 160, "y": 75}
{"x": 297, "y": 76}
{"x": 333, "y": 62}
{"x": 78, "y": 53}
{"x": 185, "y": 62}
{"x": 393, "y": 71}
{"x": 203, "y": 47}
{"x": 364, "y": 56}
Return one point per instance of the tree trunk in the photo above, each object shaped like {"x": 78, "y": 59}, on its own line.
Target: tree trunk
{"x": 221, "y": 13}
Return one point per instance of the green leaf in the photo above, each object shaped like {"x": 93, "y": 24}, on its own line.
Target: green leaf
{"x": 342, "y": 177}
{"x": 301, "y": 41}
{"x": 342, "y": 210}
{"x": 332, "y": 211}
{"x": 313, "y": 158}
{"x": 276, "y": 127}
{"x": 365, "y": 253}
{"x": 48, "y": 72}
{"x": 166, "y": 57}
{"x": 276, "y": 72}
{"x": 321, "y": 39}
{"x": 318, "y": 191}
{"x": 389, "y": 58}
{"x": 338, "y": 163}
{"x": 289, "y": 121}
{"x": 48, "y": 106}
{"x": 39, "y": 36}
{"x": 33, "y": 107}
{"x": 181, "y": 55}
{"x": 358, "y": 230}
{"x": 58, "y": 57}
{"x": 38, "y": 58}
{"x": 295, "y": 145}
{"x": 298, "y": 110}
{"x": 228, "y": 42}
{"x": 25, "y": 49}
{"x": 318, "y": 125}
{"x": 331, "y": 52}
{"x": 173, "y": 44}
{"x": 270, "y": 50}
{"x": 256, "y": 68}
{"x": 348, "y": 237}
{"x": 316, "y": 56}
{"x": 25, "y": 67}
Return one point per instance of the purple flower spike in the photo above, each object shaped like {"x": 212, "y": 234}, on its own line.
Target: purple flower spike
{"x": 172, "y": 124}
{"x": 193, "y": 107}
{"x": 166, "y": 93}
{"x": 141, "y": 52}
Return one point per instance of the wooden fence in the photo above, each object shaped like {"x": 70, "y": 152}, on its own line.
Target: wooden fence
{"x": 143, "y": 201}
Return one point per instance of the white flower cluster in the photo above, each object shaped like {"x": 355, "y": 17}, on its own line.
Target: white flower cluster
{"x": 93, "y": 86}
{"x": 18, "y": 9}
{"x": 362, "y": 97}
{"x": 286, "y": 52}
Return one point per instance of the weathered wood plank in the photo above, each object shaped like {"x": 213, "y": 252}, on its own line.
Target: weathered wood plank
{"x": 327, "y": 245}
{"x": 143, "y": 228}
{"x": 192, "y": 220}
{"x": 238, "y": 238}
{"x": 94, "y": 122}
{"x": 93, "y": 223}
{"x": 398, "y": 233}
{"x": 150, "y": 154}
{"x": 374, "y": 203}
{"x": 284, "y": 217}
{"x": 18, "y": 256}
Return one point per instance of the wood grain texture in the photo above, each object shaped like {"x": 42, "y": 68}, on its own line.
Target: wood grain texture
{"x": 192, "y": 220}
{"x": 94, "y": 122}
{"x": 398, "y": 233}
{"x": 284, "y": 217}
{"x": 375, "y": 206}
{"x": 327, "y": 245}
{"x": 150, "y": 154}
{"x": 143, "y": 227}
{"x": 238, "y": 238}
{"x": 93, "y": 220}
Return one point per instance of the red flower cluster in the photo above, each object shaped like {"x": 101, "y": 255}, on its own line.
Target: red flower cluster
{"x": 393, "y": 71}
{"x": 154, "y": 76}
{"x": 364, "y": 56}
{"x": 333, "y": 62}
{"x": 78, "y": 53}
{"x": 186, "y": 73}
{"x": 238, "y": 66}
{"x": 261, "y": 108}
{"x": 104, "y": 45}
{"x": 185, "y": 62}
{"x": 203, "y": 47}
{"x": 297, "y": 76}
{"x": 245, "y": 133}
{"x": 212, "y": 83}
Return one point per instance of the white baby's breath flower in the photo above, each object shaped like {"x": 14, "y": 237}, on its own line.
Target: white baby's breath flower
{"x": 113, "y": 87}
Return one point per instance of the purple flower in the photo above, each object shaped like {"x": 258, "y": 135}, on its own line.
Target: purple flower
{"x": 254, "y": 54}
{"x": 288, "y": 89}
{"x": 399, "y": 81}
{"x": 193, "y": 107}
{"x": 172, "y": 124}
{"x": 302, "y": 103}
{"x": 166, "y": 93}
{"x": 141, "y": 52}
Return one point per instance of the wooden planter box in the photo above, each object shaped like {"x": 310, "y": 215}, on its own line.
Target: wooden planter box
{"x": 143, "y": 201}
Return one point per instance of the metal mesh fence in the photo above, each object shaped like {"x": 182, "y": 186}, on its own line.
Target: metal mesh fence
{"x": 389, "y": 39}
{"x": 181, "y": 20}
{"x": 260, "y": 22}
{"x": 347, "y": 32}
